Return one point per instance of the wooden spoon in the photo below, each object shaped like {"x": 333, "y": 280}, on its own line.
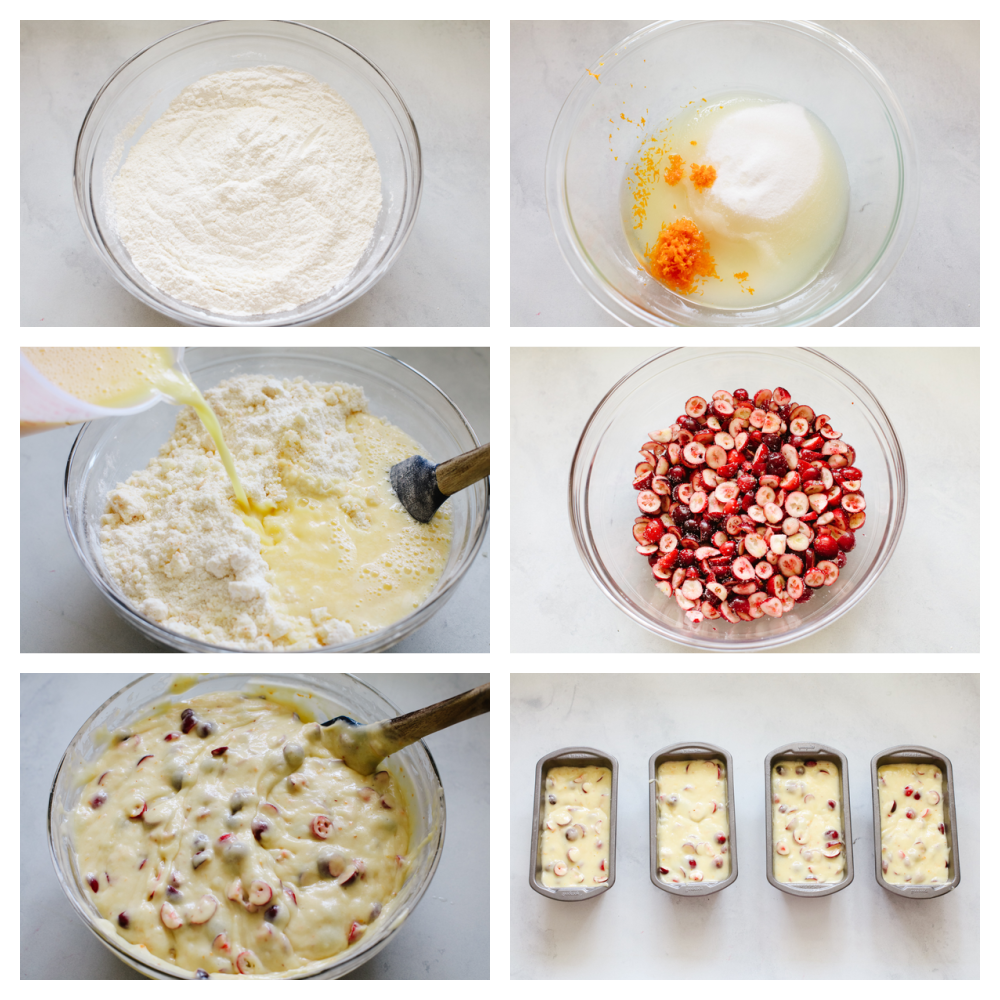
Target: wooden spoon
{"x": 423, "y": 487}
{"x": 363, "y": 748}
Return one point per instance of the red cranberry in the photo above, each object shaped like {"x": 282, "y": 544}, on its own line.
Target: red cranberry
{"x": 825, "y": 546}
{"x": 776, "y": 464}
{"x": 846, "y": 541}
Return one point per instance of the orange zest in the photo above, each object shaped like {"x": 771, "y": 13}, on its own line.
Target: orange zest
{"x": 676, "y": 171}
{"x": 681, "y": 256}
{"x": 741, "y": 277}
{"x": 703, "y": 177}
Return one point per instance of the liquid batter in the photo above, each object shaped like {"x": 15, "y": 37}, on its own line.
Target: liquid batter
{"x": 221, "y": 835}
{"x": 807, "y": 821}
{"x": 576, "y": 827}
{"x": 692, "y": 829}
{"x": 354, "y": 555}
{"x": 763, "y": 180}
{"x": 914, "y": 843}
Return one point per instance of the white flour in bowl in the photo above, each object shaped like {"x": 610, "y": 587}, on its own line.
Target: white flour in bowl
{"x": 257, "y": 191}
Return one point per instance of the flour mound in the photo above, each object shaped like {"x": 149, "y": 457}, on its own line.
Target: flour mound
{"x": 172, "y": 537}
{"x": 767, "y": 159}
{"x": 256, "y": 191}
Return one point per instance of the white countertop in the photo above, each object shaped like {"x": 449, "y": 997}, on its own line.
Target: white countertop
{"x": 446, "y": 937}
{"x": 933, "y": 67}
{"x": 63, "y": 612}
{"x": 925, "y": 601}
{"x": 442, "y": 71}
{"x": 749, "y": 930}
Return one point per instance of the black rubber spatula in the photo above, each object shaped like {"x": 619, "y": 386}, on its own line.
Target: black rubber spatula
{"x": 423, "y": 487}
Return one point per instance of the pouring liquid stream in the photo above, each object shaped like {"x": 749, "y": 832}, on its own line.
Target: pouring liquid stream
{"x": 123, "y": 377}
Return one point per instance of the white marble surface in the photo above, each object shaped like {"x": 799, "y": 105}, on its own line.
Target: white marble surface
{"x": 447, "y": 935}
{"x": 441, "y": 68}
{"x": 925, "y": 601}
{"x": 749, "y": 930}
{"x": 63, "y": 612}
{"x": 933, "y": 67}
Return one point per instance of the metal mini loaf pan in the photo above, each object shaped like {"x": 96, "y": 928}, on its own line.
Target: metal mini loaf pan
{"x": 907, "y": 755}
{"x": 691, "y": 751}
{"x": 569, "y": 757}
{"x": 803, "y": 752}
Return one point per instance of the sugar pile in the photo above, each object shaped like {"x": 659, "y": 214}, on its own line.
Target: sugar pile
{"x": 767, "y": 159}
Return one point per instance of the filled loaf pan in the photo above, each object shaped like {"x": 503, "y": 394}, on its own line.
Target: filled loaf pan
{"x": 807, "y": 809}
{"x": 567, "y": 829}
{"x": 922, "y": 862}
{"x": 701, "y": 842}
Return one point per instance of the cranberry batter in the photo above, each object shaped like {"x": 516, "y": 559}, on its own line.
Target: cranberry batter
{"x": 692, "y": 829}
{"x": 222, "y": 836}
{"x": 807, "y": 821}
{"x": 576, "y": 827}
{"x": 914, "y": 844}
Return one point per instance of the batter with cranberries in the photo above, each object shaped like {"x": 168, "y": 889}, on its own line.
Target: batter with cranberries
{"x": 807, "y": 821}
{"x": 223, "y": 836}
{"x": 576, "y": 827}
{"x": 914, "y": 843}
{"x": 692, "y": 825}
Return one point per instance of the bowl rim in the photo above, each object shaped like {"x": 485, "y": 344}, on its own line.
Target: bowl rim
{"x": 629, "y": 313}
{"x": 194, "y": 315}
{"x": 579, "y": 520}
{"x": 374, "y": 642}
{"x": 137, "y": 964}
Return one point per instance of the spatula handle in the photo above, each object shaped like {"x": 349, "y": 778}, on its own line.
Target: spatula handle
{"x": 463, "y": 470}
{"x": 416, "y": 725}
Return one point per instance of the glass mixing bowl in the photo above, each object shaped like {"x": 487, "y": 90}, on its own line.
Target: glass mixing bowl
{"x": 141, "y": 89}
{"x": 330, "y": 695}
{"x": 106, "y": 452}
{"x": 655, "y": 71}
{"x": 603, "y": 503}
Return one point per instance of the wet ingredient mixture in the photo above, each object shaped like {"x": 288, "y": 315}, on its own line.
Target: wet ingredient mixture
{"x": 325, "y": 553}
{"x": 221, "y": 835}
{"x": 807, "y": 821}
{"x": 692, "y": 828}
{"x": 914, "y": 842}
{"x": 576, "y": 826}
{"x": 739, "y": 200}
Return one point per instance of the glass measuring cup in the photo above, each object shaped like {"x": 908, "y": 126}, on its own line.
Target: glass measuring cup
{"x": 44, "y": 406}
